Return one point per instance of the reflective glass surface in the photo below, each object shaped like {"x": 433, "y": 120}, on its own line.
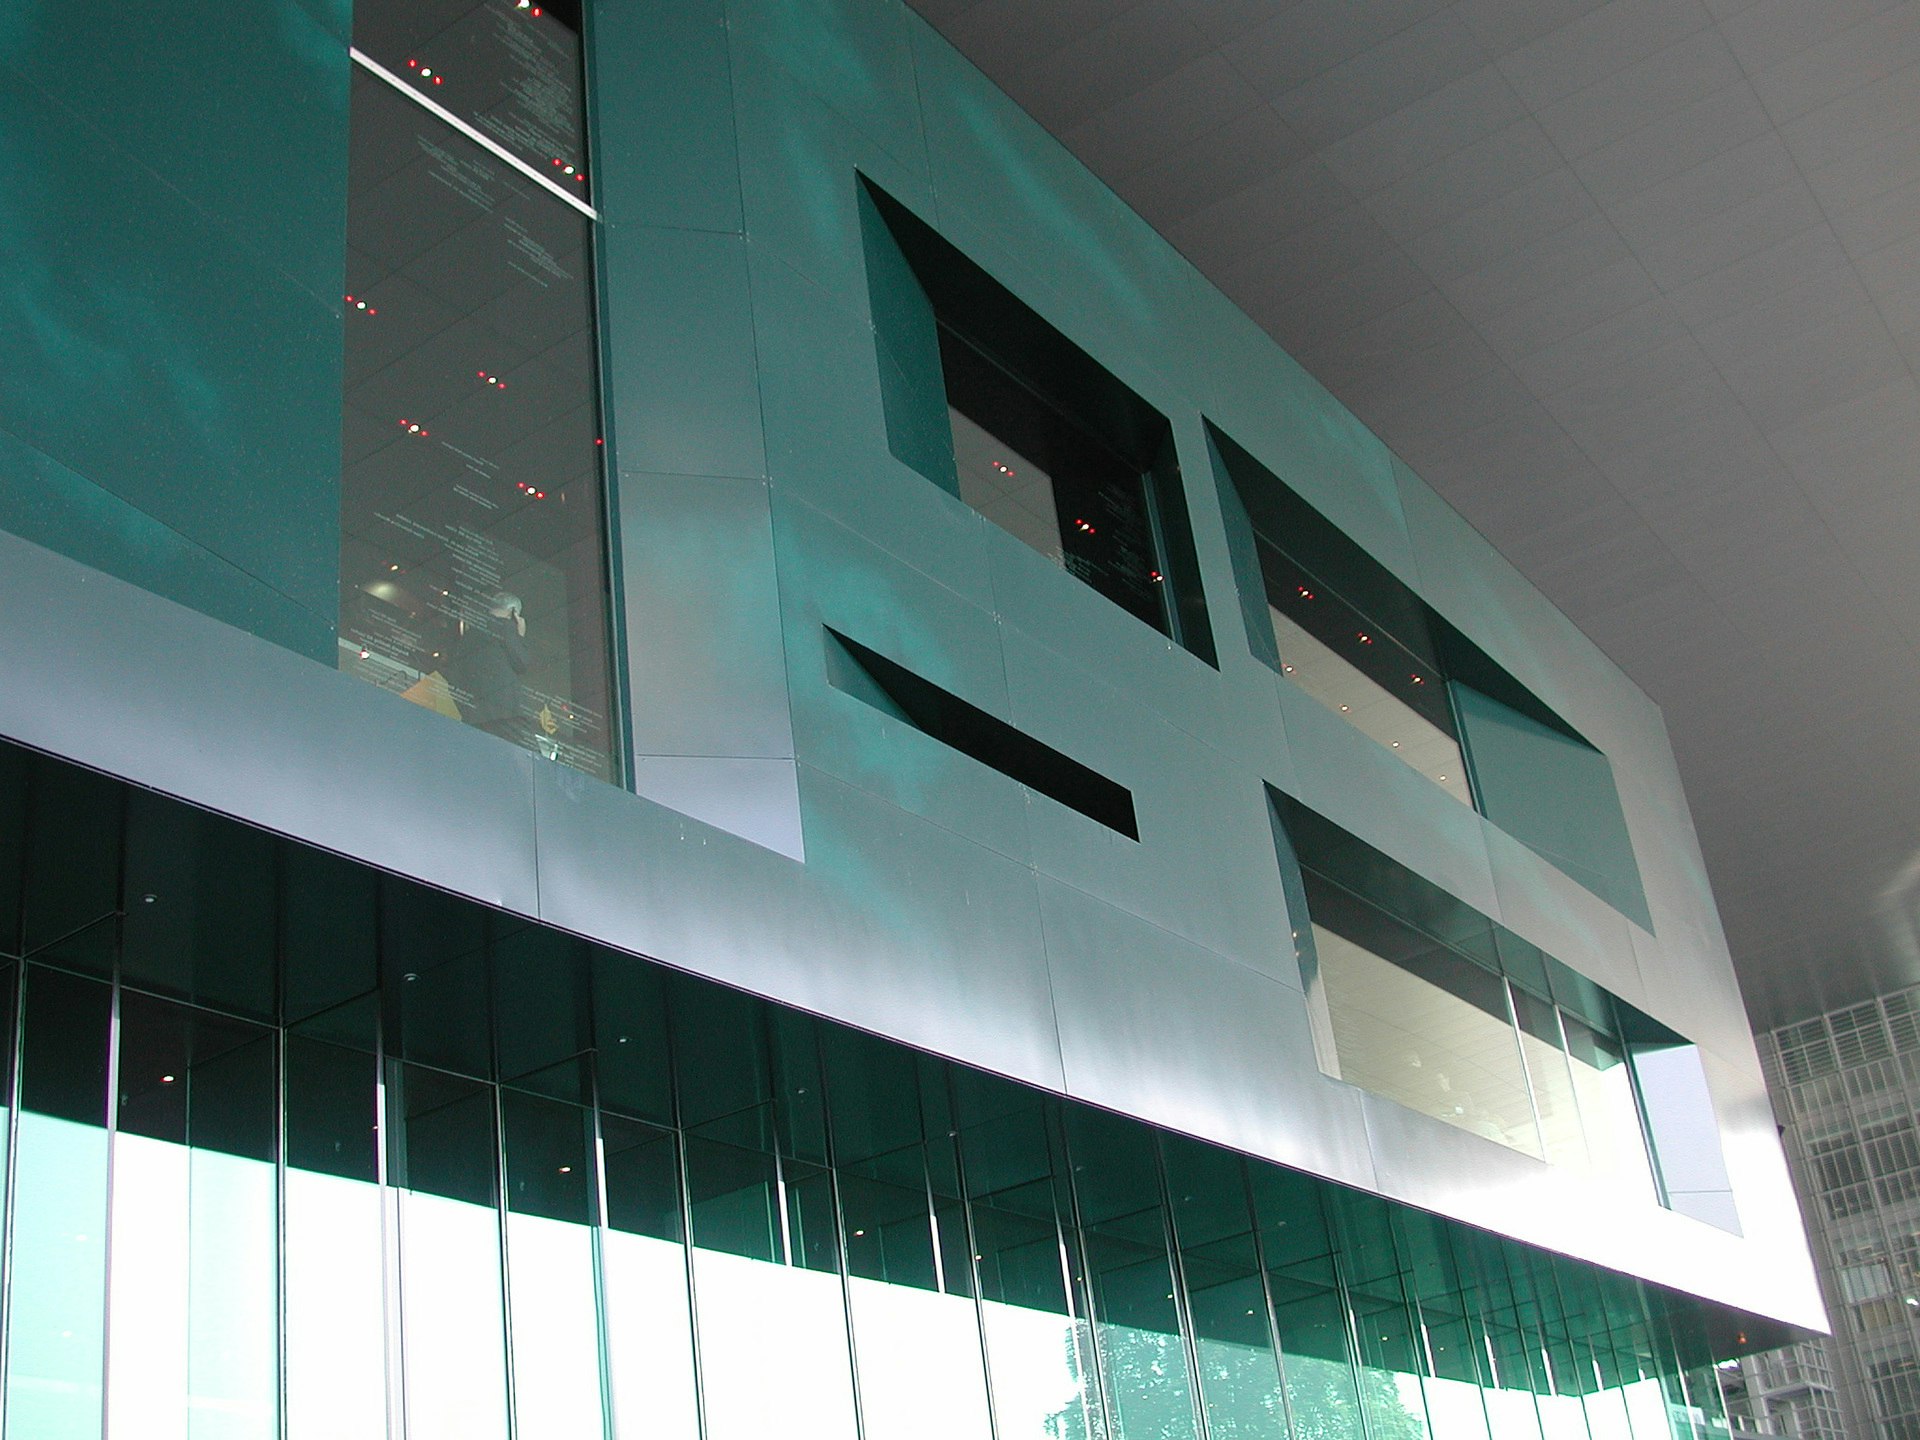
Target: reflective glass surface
{"x": 1421, "y": 736}
{"x": 1049, "y": 481}
{"x": 509, "y": 68}
{"x": 473, "y": 571}
{"x": 1415, "y": 996}
{"x": 519, "y": 1186}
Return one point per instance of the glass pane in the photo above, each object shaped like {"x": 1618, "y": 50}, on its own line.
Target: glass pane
{"x": 773, "y": 1324}
{"x": 1441, "y": 1049}
{"x": 649, "y": 1324}
{"x": 473, "y": 581}
{"x": 1032, "y": 1295}
{"x": 1603, "y": 1084}
{"x": 1366, "y": 677}
{"x": 336, "y": 1313}
{"x": 550, "y": 1279}
{"x": 453, "y": 1327}
{"x": 916, "y": 1333}
{"x": 1137, "y": 1330}
{"x": 1551, "y": 1076}
{"x": 509, "y": 68}
{"x": 1007, "y": 488}
{"x": 1322, "y": 1396}
{"x": 58, "y": 1324}
{"x": 1226, "y": 1298}
{"x": 192, "y": 1305}
{"x": 1049, "y": 482}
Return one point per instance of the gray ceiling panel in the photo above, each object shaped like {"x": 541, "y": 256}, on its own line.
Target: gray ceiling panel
{"x": 1667, "y": 81}
{"x": 1636, "y": 286}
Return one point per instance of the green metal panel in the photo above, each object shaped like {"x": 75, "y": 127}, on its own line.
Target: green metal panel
{"x": 830, "y": 576}
{"x": 913, "y": 394}
{"x": 679, "y": 352}
{"x": 662, "y": 95}
{"x": 826, "y": 432}
{"x": 153, "y": 354}
{"x": 1553, "y": 794}
{"x": 43, "y": 501}
{"x": 241, "y": 109}
{"x": 705, "y": 666}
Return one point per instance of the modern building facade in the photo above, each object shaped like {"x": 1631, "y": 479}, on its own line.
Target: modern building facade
{"x": 1847, "y": 1088}
{"x": 693, "y": 745}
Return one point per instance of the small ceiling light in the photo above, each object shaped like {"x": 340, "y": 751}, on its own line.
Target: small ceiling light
{"x": 1365, "y": 639}
{"x": 1396, "y": 744}
{"x": 166, "y": 1079}
{"x": 1345, "y": 708}
{"x": 566, "y": 1169}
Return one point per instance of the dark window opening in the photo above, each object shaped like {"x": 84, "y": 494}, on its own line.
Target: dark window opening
{"x": 993, "y": 404}
{"x": 897, "y": 691}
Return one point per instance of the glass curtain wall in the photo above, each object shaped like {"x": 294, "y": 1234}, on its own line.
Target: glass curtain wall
{"x": 298, "y": 1150}
{"x": 473, "y": 539}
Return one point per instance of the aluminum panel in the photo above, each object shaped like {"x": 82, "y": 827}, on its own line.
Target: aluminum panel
{"x": 1429, "y": 1164}
{"x": 893, "y": 925}
{"x": 139, "y": 687}
{"x": 1154, "y": 1025}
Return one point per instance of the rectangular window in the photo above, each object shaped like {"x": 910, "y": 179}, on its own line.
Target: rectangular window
{"x": 473, "y": 537}
{"x": 993, "y": 404}
{"x": 1349, "y": 632}
{"x": 1416, "y": 996}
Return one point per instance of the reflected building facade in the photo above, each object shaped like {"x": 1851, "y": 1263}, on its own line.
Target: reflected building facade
{"x": 693, "y": 746}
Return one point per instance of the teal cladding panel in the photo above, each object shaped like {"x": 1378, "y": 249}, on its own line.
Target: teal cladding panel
{"x": 152, "y": 354}
{"x": 661, "y": 71}
{"x": 913, "y": 392}
{"x": 1553, "y": 794}
{"x": 678, "y": 342}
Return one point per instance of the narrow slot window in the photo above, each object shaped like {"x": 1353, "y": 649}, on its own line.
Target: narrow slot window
{"x": 897, "y": 691}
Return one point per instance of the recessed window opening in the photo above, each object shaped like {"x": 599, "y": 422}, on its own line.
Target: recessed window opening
{"x": 1346, "y": 630}
{"x": 895, "y": 690}
{"x": 1417, "y": 997}
{"x": 994, "y": 404}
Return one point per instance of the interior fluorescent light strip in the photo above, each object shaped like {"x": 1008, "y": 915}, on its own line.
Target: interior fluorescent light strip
{"x": 491, "y": 146}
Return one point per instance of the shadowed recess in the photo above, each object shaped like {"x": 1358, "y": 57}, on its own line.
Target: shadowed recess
{"x": 894, "y": 690}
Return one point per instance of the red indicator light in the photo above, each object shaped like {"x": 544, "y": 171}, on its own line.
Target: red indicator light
{"x": 436, "y": 79}
{"x": 598, "y": 441}
{"x": 413, "y": 64}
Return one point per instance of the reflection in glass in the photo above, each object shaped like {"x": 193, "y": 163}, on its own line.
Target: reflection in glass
{"x": 473, "y": 580}
{"x": 1364, "y": 675}
{"x": 191, "y": 1295}
{"x": 550, "y": 1268}
{"x": 510, "y": 70}
{"x": 915, "y": 1332}
{"x": 644, "y": 1269}
{"x": 1603, "y": 1082}
{"x": 56, "y": 1338}
{"x": 453, "y": 1321}
{"x": 1551, "y": 1076}
{"x": 1437, "y": 1041}
{"x": 772, "y": 1320}
{"x": 335, "y": 1304}
{"x": 1048, "y": 481}
{"x": 1006, "y": 487}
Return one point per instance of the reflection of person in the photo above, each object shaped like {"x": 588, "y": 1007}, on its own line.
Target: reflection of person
{"x": 485, "y": 667}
